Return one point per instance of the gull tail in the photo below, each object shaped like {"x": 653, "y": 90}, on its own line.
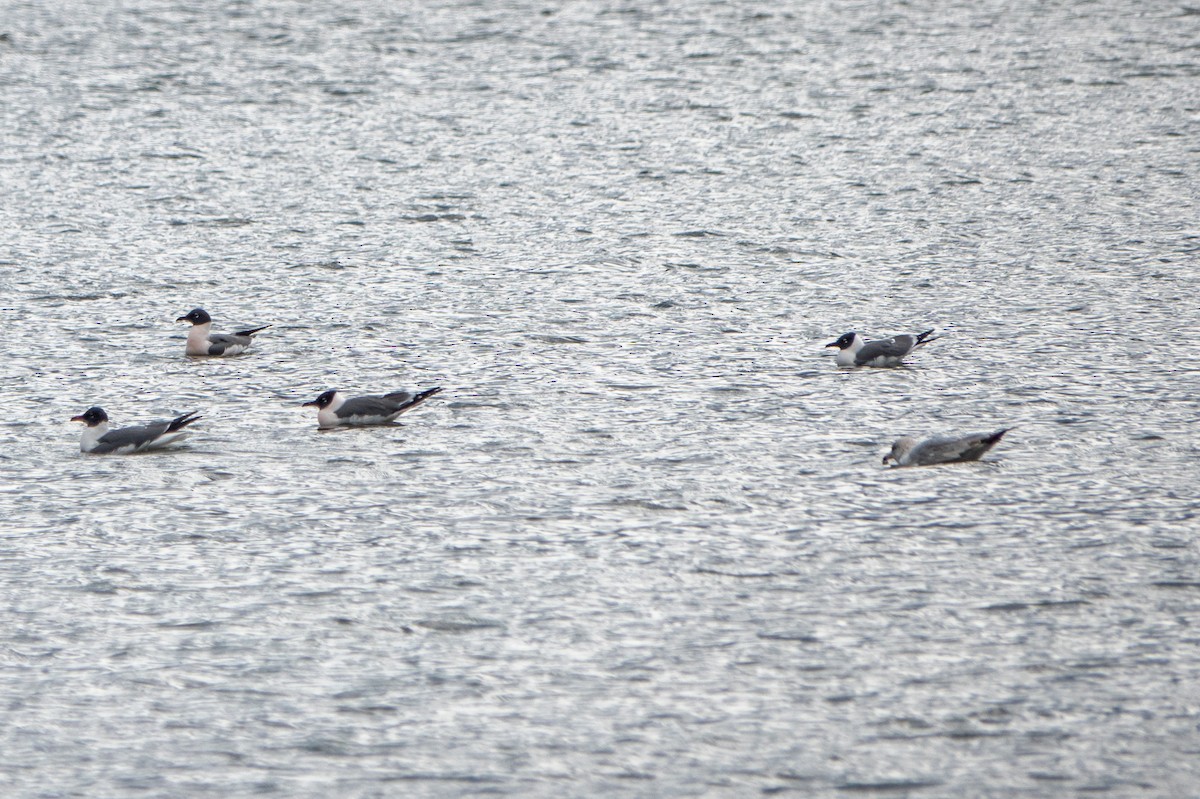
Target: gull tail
{"x": 181, "y": 422}
{"x": 252, "y": 331}
{"x": 979, "y": 446}
{"x": 995, "y": 437}
{"x": 925, "y": 338}
{"x": 421, "y": 396}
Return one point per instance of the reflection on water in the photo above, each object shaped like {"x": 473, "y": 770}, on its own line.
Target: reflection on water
{"x": 642, "y": 543}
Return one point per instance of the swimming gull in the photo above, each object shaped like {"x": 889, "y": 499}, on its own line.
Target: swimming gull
{"x": 854, "y": 351}
{"x": 97, "y": 439}
{"x": 334, "y": 410}
{"x": 908, "y": 452}
{"x": 202, "y": 341}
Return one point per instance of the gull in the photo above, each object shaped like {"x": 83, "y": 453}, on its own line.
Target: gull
{"x": 201, "y": 341}
{"x": 334, "y": 410}
{"x": 854, "y": 351}
{"x": 97, "y": 439}
{"x": 908, "y": 452}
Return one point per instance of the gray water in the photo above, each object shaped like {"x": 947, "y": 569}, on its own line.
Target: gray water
{"x": 642, "y": 544}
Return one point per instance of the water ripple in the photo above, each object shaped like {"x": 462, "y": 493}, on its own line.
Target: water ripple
{"x": 643, "y": 541}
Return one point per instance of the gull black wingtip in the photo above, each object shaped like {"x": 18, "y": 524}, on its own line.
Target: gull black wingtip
{"x": 184, "y": 420}
{"x": 995, "y": 437}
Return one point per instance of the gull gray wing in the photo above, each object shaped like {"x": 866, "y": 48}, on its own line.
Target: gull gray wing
{"x": 136, "y": 437}
{"x": 950, "y": 450}
{"x": 894, "y": 347}
{"x": 409, "y": 399}
{"x": 368, "y": 406}
{"x": 142, "y": 436}
{"x": 400, "y": 397}
{"x": 219, "y": 342}
{"x": 392, "y": 404}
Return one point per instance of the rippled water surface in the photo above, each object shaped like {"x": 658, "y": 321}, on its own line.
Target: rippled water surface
{"x": 642, "y": 544}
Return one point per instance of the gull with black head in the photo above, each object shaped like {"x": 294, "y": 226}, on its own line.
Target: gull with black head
{"x": 910, "y": 452}
{"x": 97, "y": 439}
{"x": 334, "y": 410}
{"x": 854, "y": 350}
{"x": 202, "y": 341}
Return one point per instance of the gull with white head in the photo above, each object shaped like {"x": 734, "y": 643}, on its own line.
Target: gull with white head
{"x": 908, "y": 451}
